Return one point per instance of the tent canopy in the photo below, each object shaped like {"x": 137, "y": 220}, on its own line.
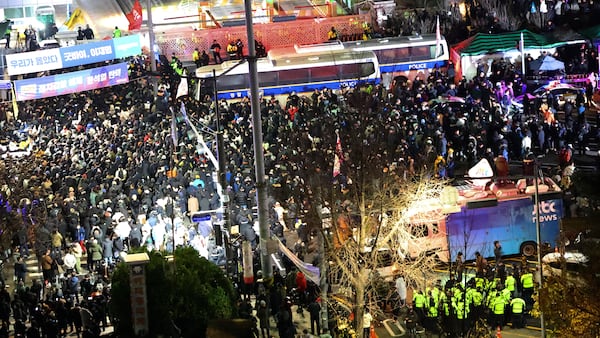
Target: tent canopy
{"x": 546, "y": 63}
{"x": 592, "y": 33}
{"x": 490, "y": 43}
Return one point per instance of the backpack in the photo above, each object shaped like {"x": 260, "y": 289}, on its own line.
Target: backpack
{"x": 73, "y": 284}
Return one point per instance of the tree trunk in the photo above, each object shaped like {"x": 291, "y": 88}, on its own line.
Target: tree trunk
{"x": 360, "y": 305}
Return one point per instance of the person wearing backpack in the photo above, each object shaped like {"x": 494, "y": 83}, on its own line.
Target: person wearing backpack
{"x": 73, "y": 286}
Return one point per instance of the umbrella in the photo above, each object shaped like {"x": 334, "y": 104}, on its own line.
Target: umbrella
{"x": 546, "y": 63}
{"x": 447, "y": 99}
{"x": 521, "y": 97}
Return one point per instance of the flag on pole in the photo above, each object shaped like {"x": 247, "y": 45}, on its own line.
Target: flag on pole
{"x": 14, "y": 103}
{"x": 135, "y": 16}
{"x": 173, "y": 128}
{"x": 338, "y": 156}
{"x": 76, "y": 18}
{"x": 182, "y": 89}
{"x": 438, "y": 37}
{"x": 522, "y": 49}
{"x": 184, "y": 113}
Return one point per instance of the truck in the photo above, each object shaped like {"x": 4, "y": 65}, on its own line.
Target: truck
{"x": 505, "y": 213}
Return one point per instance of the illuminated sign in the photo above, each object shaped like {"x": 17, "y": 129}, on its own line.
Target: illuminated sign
{"x": 73, "y": 82}
{"x": 72, "y": 56}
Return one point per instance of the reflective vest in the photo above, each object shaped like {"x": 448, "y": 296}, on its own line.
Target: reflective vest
{"x": 432, "y": 310}
{"x": 419, "y": 300}
{"x": 506, "y": 295}
{"x": 460, "y": 310}
{"x": 517, "y": 305}
{"x": 510, "y": 283}
{"x": 498, "y": 305}
{"x": 527, "y": 280}
{"x": 477, "y": 298}
{"x": 195, "y": 56}
{"x": 479, "y": 282}
{"x": 446, "y": 307}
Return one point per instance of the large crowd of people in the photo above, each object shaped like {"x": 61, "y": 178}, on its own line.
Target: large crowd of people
{"x": 93, "y": 174}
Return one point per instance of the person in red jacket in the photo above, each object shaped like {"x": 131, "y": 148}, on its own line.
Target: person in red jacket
{"x": 301, "y": 286}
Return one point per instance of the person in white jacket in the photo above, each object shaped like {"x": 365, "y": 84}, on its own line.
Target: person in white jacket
{"x": 69, "y": 261}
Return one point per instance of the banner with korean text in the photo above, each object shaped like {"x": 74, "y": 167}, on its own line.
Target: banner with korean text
{"x": 72, "y": 56}
{"x": 73, "y": 82}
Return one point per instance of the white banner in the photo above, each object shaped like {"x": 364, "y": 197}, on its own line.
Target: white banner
{"x": 310, "y": 271}
{"x": 33, "y": 62}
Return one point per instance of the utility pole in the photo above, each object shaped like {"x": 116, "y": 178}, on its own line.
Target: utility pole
{"x": 222, "y": 179}
{"x": 259, "y": 164}
{"x": 151, "y": 38}
{"x": 536, "y": 176}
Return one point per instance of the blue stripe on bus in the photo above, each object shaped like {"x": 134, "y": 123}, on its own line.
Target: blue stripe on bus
{"x": 299, "y": 88}
{"x": 390, "y": 68}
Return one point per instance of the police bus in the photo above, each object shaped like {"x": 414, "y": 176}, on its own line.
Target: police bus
{"x": 286, "y": 70}
{"x": 406, "y": 56}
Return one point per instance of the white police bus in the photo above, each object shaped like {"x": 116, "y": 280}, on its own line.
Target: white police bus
{"x": 286, "y": 70}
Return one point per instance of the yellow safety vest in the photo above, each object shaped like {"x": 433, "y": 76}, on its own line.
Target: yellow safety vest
{"x": 527, "y": 280}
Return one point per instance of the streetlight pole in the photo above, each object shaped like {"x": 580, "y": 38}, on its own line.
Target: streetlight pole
{"x": 259, "y": 164}
{"x": 539, "y": 241}
{"x": 151, "y": 38}
{"x": 221, "y": 172}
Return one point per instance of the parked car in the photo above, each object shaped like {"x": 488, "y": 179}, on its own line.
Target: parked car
{"x": 574, "y": 263}
{"x": 561, "y": 94}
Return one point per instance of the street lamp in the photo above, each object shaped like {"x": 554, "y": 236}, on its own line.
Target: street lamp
{"x": 531, "y": 169}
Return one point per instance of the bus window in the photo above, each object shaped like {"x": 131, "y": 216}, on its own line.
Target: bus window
{"x": 387, "y": 56}
{"x": 366, "y": 69}
{"x": 433, "y": 49}
{"x": 230, "y": 82}
{"x": 326, "y": 73}
{"x": 267, "y": 79}
{"x": 419, "y": 230}
{"x": 420, "y": 53}
{"x": 293, "y": 76}
{"x": 350, "y": 71}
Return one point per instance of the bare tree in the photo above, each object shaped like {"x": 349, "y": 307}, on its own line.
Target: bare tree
{"x": 506, "y": 16}
{"x": 381, "y": 225}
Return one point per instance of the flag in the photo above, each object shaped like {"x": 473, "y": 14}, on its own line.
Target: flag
{"x": 438, "y": 37}
{"x": 75, "y": 19}
{"x": 182, "y": 89}
{"x": 15, "y": 104}
{"x": 310, "y": 271}
{"x": 173, "y": 128}
{"x": 184, "y": 113}
{"x": 522, "y": 49}
{"x": 135, "y": 16}
{"x": 338, "y": 157}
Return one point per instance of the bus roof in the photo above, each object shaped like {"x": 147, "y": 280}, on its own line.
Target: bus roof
{"x": 385, "y": 43}
{"x": 288, "y": 57}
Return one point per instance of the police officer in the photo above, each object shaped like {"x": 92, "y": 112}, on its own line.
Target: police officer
{"x": 497, "y": 306}
{"x": 517, "y": 306}
{"x": 527, "y": 284}
{"x": 419, "y": 305}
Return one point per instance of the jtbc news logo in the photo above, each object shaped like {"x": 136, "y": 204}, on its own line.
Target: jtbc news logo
{"x": 547, "y": 211}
